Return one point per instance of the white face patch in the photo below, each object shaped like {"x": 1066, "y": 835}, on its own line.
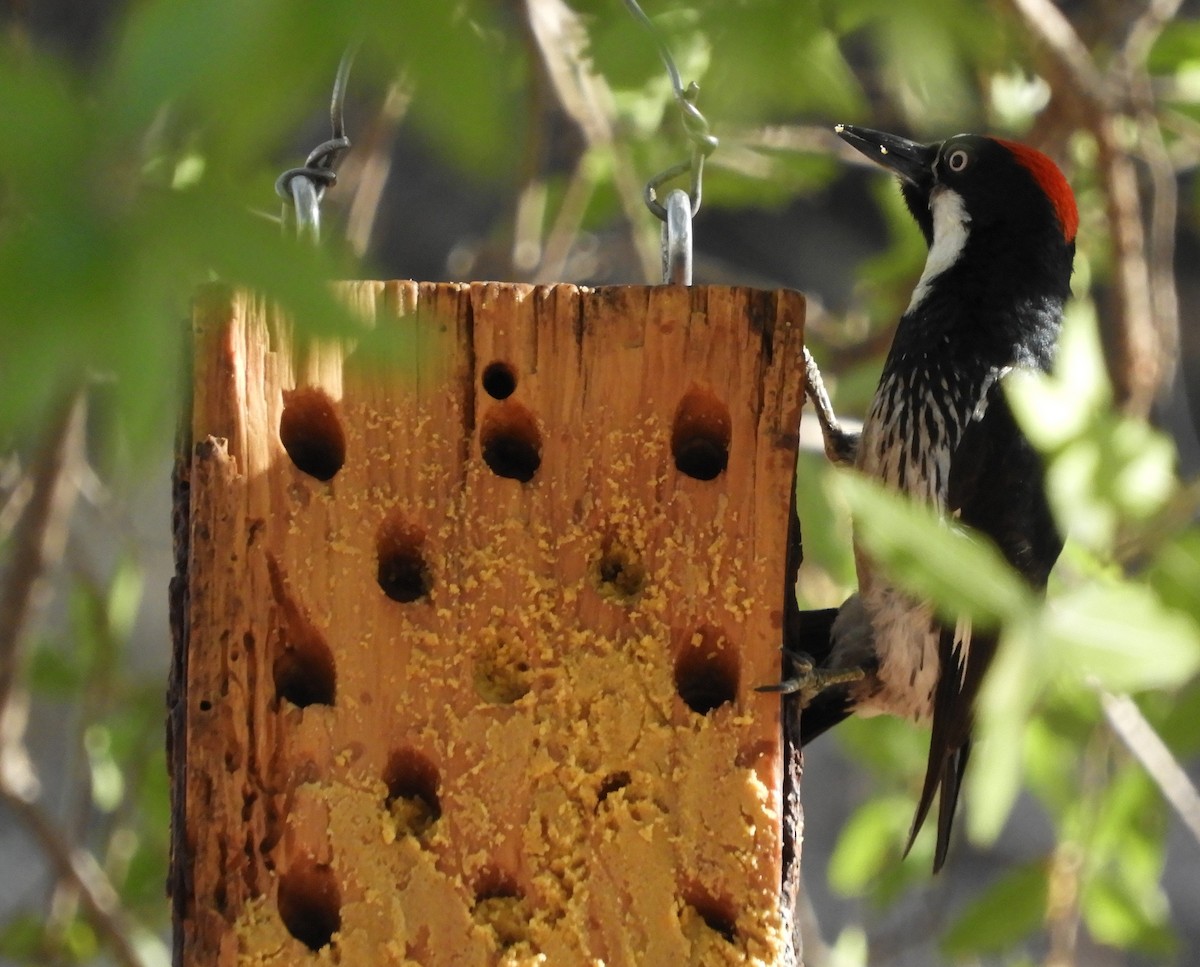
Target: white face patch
{"x": 950, "y": 229}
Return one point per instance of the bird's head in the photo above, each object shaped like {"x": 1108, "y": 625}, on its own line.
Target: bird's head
{"x": 970, "y": 184}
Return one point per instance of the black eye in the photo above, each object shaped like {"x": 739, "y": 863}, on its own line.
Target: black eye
{"x": 958, "y": 159}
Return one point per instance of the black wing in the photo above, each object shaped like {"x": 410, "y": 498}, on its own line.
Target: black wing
{"x": 814, "y": 638}
{"x": 996, "y": 487}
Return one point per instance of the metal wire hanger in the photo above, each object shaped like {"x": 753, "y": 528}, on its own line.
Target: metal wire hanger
{"x": 681, "y": 206}
{"x": 305, "y": 187}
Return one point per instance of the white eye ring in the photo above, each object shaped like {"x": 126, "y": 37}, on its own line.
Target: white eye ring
{"x": 958, "y": 160}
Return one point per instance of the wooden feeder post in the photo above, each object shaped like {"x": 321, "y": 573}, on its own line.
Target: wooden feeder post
{"x": 466, "y": 654}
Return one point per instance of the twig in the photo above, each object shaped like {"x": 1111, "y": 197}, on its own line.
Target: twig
{"x": 565, "y": 228}
{"x": 39, "y": 535}
{"x": 1139, "y": 737}
{"x": 1141, "y": 363}
{"x": 15, "y": 504}
{"x": 587, "y": 98}
{"x": 1145, "y": 30}
{"x": 1050, "y": 26}
{"x": 38, "y": 540}
{"x": 78, "y": 867}
{"x": 375, "y": 167}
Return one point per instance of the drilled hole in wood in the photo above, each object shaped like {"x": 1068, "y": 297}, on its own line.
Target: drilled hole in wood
{"x": 700, "y": 435}
{"x": 304, "y": 671}
{"x": 412, "y": 791}
{"x": 500, "y": 907}
{"x": 620, "y": 573}
{"x": 402, "y": 571}
{"x": 303, "y": 667}
{"x": 613, "y": 782}
{"x": 510, "y": 442}
{"x": 707, "y": 670}
{"x": 499, "y": 380}
{"x": 715, "y": 913}
{"x": 502, "y": 671}
{"x": 311, "y": 432}
{"x": 310, "y": 903}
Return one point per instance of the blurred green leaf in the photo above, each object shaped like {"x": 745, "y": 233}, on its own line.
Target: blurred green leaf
{"x": 22, "y": 938}
{"x": 934, "y": 88}
{"x": 869, "y": 843}
{"x": 960, "y": 571}
{"x": 1175, "y": 572}
{"x": 1000, "y": 917}
{"x": 1013, "y": 686}
{"x": 1128, "y": 829}
{"x": 1125, "y": 918}
{"x": 80, "y": 940}
{"x": 825, "y": 528}
{"x": 1105, "y": 470}
{"x": 1121, "y": 634}
{"x": 851, "y": 949}
{"x": 1177, "y": 47}
{"x": 1054, "y": 410}
{"x": 1177, "y": 727}
{"x": 1048, "y": 756}
{"x": 892, "y": 748}
{"x": 791, "y": 44}
{"x": 124, "y": 599}
{"x": 107, "y": 779}
{"x": 55, "y": 670}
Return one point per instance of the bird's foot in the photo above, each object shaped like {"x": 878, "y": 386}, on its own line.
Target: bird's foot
{"x": 808, "y": 681}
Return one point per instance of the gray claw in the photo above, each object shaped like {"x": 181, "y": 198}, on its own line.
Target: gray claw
{"x": 809, "y": 681}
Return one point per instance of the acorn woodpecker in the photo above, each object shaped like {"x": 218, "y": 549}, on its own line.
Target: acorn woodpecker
{"x": 1000, "y": 222}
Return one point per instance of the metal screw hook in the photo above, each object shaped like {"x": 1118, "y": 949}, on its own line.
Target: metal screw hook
{"x": 678, "y": 213}
{"x": 305, "y": 187}
{"x": 677, "y": 239}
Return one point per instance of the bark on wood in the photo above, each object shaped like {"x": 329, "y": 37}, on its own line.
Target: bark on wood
{"x": 466, "y": 650}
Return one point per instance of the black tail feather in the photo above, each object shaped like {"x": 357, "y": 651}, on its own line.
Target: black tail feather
{"x": 956, "y": 766}
{"x": 962, "y": 656}
{"x": 944, "y": 781}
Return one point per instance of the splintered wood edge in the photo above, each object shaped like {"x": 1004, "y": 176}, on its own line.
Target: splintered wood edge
{"x": 475, "y": 328}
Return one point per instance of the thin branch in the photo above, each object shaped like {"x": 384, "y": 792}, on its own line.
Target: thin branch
{"x": 1138, "y": 735}
{"x": 1140, "y": 364}
{"x": 1146, "y": 29}
{"x": 38, "y": 540}
{"x": 39, "y": 535}
{"x": 565, "y": 228}
{"x": 14, "y": 506}
{"x": 376, "y": 166}
{"x": 101, "y": 903}
{"x": 588, "y": 100}
{"x": 1051, "y": 27}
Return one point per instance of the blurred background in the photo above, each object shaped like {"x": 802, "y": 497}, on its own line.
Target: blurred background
{"x": 512, "y": 140}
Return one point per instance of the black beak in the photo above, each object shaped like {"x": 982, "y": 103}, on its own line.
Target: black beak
{"x": 912, "y": 162}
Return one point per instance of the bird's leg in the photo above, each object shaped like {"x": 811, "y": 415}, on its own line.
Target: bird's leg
{"x": 808, "y": 681}
{"x": 840, "y": 445}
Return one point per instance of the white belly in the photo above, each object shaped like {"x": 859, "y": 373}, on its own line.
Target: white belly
{"x": 906, "y": 646}
{"x": 899, "y": 632}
